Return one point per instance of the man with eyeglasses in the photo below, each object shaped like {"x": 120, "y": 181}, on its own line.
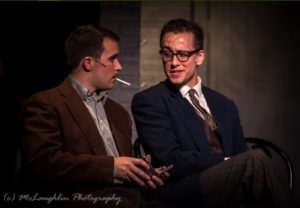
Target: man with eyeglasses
{"x": 77, "y": 141}
{"x": 180, "y": 121}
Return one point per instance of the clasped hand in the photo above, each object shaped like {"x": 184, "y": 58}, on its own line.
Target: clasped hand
{"x": 134, "y": 170}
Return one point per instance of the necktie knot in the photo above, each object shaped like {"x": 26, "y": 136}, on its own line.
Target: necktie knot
{"x": 192, "y": 92}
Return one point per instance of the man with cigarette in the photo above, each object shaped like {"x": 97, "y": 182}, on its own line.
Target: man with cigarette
{"x": 77, "y": 141}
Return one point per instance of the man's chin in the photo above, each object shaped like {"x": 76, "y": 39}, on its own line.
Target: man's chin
{"x": 176, "y": 81}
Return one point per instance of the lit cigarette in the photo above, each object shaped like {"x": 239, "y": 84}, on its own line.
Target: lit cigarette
{"x": 124, "y": 82}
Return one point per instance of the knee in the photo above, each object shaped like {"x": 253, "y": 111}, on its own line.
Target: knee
{"x": 258, "y": 156}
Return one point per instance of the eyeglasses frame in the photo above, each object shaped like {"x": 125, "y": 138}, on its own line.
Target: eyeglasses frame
{"x": 188, "y": 53}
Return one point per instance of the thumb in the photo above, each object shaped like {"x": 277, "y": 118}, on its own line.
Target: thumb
{"x": 148, "y": 158}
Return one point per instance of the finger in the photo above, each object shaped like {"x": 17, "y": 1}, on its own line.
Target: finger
{"x": 139, "y": 172}
{"x": 164, "y": 170}
{"x": 157, "y": 180}
{"x": 151, "y": 184}
{"x": 165, "y": 176}
{"x": 148, "y": 158}
{"x": 140, "y": 162}
{"x": 160, "y": 168}
{"x": 136, "y": 179}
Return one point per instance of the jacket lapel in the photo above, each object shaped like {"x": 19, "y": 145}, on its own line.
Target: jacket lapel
{"x": 189, "y": 118}
{"x": 123, "y": 145}
{"x": 82, "y": 118}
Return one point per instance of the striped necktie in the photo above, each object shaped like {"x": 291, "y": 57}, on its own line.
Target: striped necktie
{"x": 207, "y": 117}
{"x": 210, "y": 125}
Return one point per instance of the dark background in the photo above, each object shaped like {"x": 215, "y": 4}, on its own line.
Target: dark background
{"x": 31, "y": 51}
{"x": 32, "y": 36}
{"x": 32, "y": 40}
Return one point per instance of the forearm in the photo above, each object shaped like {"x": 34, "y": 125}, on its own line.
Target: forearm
{"x": 51, "y": 162}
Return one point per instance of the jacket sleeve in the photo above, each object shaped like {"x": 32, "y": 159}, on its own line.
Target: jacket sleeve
{"x": 239, "y": 142}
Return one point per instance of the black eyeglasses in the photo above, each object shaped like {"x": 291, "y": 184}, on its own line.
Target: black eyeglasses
{"x": 182, "y": 56}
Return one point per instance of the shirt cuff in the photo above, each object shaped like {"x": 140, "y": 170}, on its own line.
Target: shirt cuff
{"x": 116, "y": 180}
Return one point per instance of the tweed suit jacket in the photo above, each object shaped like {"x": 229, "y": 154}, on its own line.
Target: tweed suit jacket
{"x": 170, "y": 129}
{"x": 62, "y": 143}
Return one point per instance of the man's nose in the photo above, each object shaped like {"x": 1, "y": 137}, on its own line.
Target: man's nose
{"x": 118, "y": 65}
{"x": 174, "y": 60}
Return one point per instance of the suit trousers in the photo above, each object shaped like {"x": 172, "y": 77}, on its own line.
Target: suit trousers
{"x": 249, "y": 179}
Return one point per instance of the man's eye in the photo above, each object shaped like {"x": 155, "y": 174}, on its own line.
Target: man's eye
{"x": 182, "y": 55}
{"x": 167, "y": 54}
{"x": 113, "y": 58}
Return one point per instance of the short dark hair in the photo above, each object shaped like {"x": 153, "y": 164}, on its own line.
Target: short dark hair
{"x": 183, "y": 26}
{"x": 86, "y": 40}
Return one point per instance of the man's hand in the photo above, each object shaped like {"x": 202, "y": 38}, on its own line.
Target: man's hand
{"x": 156, "y": 178}
{"x": 137, "y": 171}
{"x": 129, "y": 169}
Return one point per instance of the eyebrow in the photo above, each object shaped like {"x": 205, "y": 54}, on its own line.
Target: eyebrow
{"x": 166, "y": 47}
{"x": 176, "y": 51}
{"x": 114, "y": 56}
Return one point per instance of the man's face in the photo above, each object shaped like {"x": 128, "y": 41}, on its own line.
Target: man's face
{"x": 108, "y": 67}
{"x": 181, "y": 72}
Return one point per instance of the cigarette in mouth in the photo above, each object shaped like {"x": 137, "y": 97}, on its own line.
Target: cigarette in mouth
{"x": 124, "y": 82}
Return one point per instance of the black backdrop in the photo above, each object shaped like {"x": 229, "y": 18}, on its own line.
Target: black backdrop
{"x": 32, "y": 36}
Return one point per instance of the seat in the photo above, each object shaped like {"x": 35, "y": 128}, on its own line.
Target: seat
{"x": 270, "y": 148}
{"x": 138, "y": 148}
{"x": 253, "y": 142}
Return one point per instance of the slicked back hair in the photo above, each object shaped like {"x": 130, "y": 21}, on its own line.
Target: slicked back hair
{"x": 183, "y": 26}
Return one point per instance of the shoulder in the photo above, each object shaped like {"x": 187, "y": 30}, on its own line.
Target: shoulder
{"x": 46, "y": 95}
{"x": 217, "y": 98}
{"x": 163, "y": 89}
{"x": 54, "y": 95}
{"x": 209, "y": 92}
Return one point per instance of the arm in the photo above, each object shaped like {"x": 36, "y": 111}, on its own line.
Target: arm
{"x": 239, "y": 142}
{"x": 58, "y": 151}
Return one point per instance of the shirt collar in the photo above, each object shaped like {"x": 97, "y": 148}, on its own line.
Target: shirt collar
{"x": 85, "y": 94}
{"x": 185, "y": 89}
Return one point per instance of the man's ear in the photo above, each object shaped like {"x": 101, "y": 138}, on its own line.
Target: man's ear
{"x": 87, "y": 64}
{"x": 200, "y": 57}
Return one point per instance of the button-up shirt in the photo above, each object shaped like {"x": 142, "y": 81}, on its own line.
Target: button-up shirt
{"x": 95, "y": 105}
{"x": 184, "y": 90}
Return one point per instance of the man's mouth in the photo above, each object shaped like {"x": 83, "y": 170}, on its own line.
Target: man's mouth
{"x": 175, "y": 73}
